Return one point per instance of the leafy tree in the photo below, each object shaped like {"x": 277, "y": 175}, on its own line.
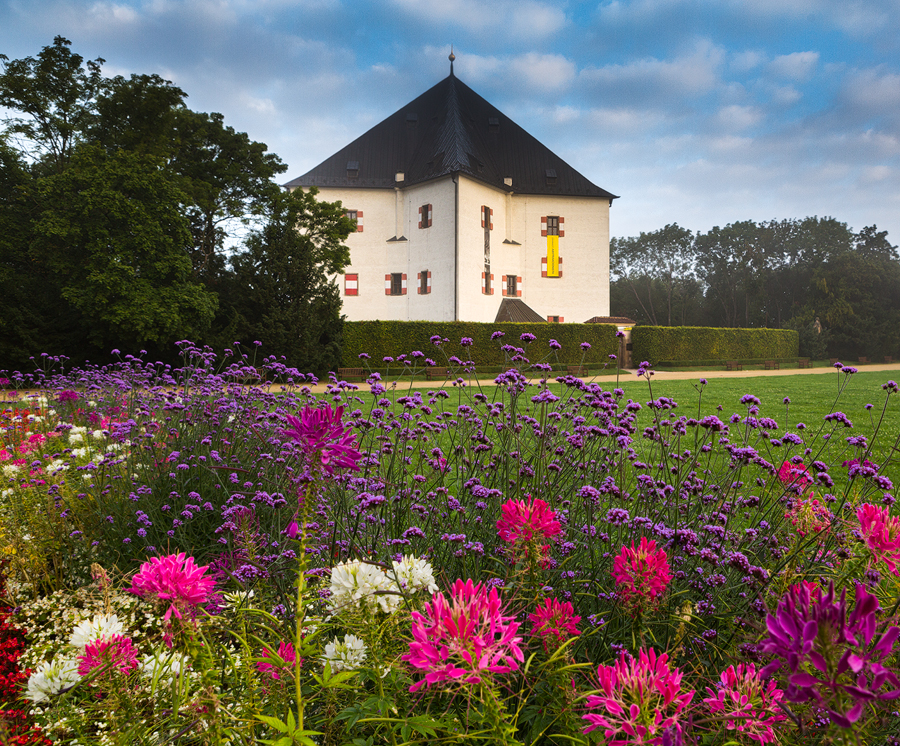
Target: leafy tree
{"x": 108, "y": 266}
{"x": 113, "y": 235}
{"x": 661, "y": 260}
{"x": 56, "y": 93}
{"x": 226, "y": 177}
{"x": 282, "y": 292}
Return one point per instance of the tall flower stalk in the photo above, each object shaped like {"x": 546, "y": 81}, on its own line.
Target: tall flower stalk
{"x": 326, "y": 445}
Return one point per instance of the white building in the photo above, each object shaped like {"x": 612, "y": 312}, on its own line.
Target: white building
{"x": 462, "y": 215}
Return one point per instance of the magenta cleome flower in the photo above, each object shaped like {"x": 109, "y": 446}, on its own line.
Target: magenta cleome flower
{"x": 641, "y": 574}
{"x": 117, "y": 652}
{"x": 556, "y": 620}
{"x": 463, "y": 638}
{"x": 794, "y": 475}
{"x": 274, "y": 669}
{"x": 522, "y": 521}
{"x": 321, "y": 434}
{"x": 881, "y": 531}
{"x": 748, "y": 702}
{"x": 174, "y": 579}
{"x": 640, "y": 699}
{"x": 528, "y": 523}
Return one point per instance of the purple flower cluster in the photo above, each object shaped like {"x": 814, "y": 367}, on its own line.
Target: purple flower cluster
{"x": 831, "y": 653}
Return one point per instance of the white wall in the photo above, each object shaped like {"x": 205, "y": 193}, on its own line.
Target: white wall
{"x": 581, "y": 293}
{"x": 583, "y": 290}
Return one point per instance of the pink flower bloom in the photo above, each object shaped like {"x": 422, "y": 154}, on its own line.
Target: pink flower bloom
{"x": 273, "y": 670}
{"x": 750, "y": 704}
{"x": 809, "y": 515}
{"x": 321, "y": 433}
{"x": 174, "y": 579}
{"x": 794, "y": 474}
{"x": 554, "y": 619}
{"x": 116, "y": 651}
{"x": 464, "y": 637}
{"x": 881, "y": 531}
{"x": 522, "y": 523}
{"x": 641, "y": 574}
{"x": 640, "y": 698}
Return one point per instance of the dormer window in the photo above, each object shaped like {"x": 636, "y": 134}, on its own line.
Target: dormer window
{"x": 493, "y": 124}
{"x": 412, "y": 119}
{"x": 352, "y": 169}
{"x": 551, "y": 177}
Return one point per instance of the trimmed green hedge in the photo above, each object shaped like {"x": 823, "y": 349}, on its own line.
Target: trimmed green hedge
{"x": 676, "y": 343}
{"x": 381, "y": 339}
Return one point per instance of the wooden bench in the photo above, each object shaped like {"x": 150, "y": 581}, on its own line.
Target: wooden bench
{"x": 352, "y": 374}
{"x": 251, "y": 375}
{"x": 436, "y": 374}
{"x": 834, "y": 360}
{"x": 803, "y": 362}
{"x": 772, "y": 365}
{"x": 863, "y": 360}
{"x": 579, "y": 371}
{"x": 888, "y": 359}
{"x": 733, "y": 365}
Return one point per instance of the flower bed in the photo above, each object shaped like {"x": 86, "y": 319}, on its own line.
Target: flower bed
{"x": 194, "y": 559}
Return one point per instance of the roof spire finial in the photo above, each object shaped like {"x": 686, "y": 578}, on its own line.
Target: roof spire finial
{"x": 451, "y": 58}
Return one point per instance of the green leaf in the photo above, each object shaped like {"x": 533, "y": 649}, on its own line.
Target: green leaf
{"x": 274, "y": 723}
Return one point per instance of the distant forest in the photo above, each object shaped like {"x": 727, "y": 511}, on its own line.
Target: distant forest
{"x": 778, "y": 274}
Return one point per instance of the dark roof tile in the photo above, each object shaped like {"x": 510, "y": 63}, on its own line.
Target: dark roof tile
{"x": 450, "y": 129}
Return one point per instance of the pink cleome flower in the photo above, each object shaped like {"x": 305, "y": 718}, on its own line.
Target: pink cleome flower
{"x": 641, "y": 574}
{"x": 881, "y": 531}
{"x": 809, "y": 515}
{"x": 749, "y": 703}
{"x": 462, "y": 638}
{"x": 320, "y": 432}
{"x": 794, "y": 474}
{"x": 174, "y": 579}
{"x": 273, "y": 670}
{"x": 117, "y": 651}
{"x": 640, "y": 698}
{"x": 523, "y": 522}
{"x": 554, "y": 619}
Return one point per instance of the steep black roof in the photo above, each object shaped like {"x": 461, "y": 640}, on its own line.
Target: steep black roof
{"x": 450, "y": 129}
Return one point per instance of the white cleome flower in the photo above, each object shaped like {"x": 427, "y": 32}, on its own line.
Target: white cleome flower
{"x": 414, "y": 574}
{"x": 347, "y": 655}
{"x": 51, "y": 678}
{"x": 163, "y": 667}
{"x": 94, "y": 629}
{"x": 238, "y": 598}
{"x": 354, "y": 583}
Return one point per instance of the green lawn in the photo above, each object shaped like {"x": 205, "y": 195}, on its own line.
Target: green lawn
{"x": 811, "y": 398}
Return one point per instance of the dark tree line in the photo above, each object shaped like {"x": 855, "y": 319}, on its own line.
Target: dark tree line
{"x": 777, "y": 274}
{"x": 119, "y": 211}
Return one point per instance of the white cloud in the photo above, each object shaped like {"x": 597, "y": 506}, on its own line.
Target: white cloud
{"x": 519, "y": 19}
{"x": 543, "y": 72}
{"x": 797, "y": 66}
{"x": 738, "y": 117}
{"x": 656, "y": 81}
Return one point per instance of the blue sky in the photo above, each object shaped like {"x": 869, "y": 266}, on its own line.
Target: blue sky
{"x": 700, "y": 112}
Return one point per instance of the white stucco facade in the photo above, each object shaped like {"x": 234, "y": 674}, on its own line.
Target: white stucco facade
{"x": 452, "y": 249}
